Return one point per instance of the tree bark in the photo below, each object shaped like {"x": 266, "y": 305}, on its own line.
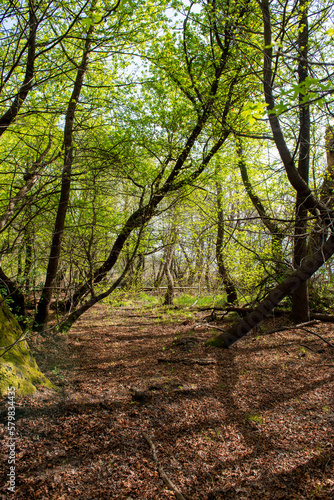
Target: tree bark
{"x": 300, "y": 297}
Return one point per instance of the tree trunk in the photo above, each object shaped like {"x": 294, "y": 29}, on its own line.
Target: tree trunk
{"x": 44, "y": 303}
{"x": 300, "y": 297}
{"x": 231, "y": 292}
{"x": 274, "y": 229}
{"x": 170, "y": 280}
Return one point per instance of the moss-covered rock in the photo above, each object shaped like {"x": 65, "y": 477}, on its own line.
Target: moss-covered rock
{"x": 18, "y": 367}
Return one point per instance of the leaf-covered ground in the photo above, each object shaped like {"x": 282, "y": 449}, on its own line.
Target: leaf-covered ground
{"x": 252, "y": 422}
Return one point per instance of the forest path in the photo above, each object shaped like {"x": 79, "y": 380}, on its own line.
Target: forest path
{"x": 252, "y": 422}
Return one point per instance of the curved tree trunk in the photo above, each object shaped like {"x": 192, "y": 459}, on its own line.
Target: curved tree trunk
{"x": 276, "y": 232}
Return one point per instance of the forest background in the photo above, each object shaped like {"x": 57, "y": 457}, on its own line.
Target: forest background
{"x": 177, "y": 144}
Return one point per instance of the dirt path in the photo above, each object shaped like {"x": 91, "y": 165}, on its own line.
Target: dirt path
{"x": 253, "y": 422}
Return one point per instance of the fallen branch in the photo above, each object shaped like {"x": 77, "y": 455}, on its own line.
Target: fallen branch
{"x": 162, "y": 473}
{"x": 320, "y": 337}
{"x": 291, "y": 327}
{"x": 243, "y": 310}
{"x": 323, "y": 317}
{"x": 211, "y": 326}
{"x": 288, "y": 327}
{"x": 187, "y": 361}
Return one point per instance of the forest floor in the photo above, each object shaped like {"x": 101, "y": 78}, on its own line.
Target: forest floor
{"x": 255, "y": 421}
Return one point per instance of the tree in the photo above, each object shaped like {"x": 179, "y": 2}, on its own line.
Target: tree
{"x": 300, "y": 299}
{"x": 296, "y": 175}
{"x": 231, "y": 292}
{"x": 47, "y": 292}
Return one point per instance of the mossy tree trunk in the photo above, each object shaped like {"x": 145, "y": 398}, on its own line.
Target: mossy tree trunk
{"x": 18, "y": 367}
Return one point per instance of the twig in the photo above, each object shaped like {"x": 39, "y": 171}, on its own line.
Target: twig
{"x": 320, "y": 337}
{"x": 291, "y": 327}
{"x": 211, "y": 326}
{"x": 163, "y": 475}
{"x": 309, "y": 348}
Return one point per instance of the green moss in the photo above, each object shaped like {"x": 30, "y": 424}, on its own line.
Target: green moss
{"x": 217, "y": 342}
{"x": 18, "y": 367}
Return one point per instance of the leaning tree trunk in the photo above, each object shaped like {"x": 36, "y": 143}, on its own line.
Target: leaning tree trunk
{"x": 308, "y": 267}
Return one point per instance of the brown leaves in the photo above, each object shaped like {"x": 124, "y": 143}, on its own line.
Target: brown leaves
{"x": 256, "y": 423}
